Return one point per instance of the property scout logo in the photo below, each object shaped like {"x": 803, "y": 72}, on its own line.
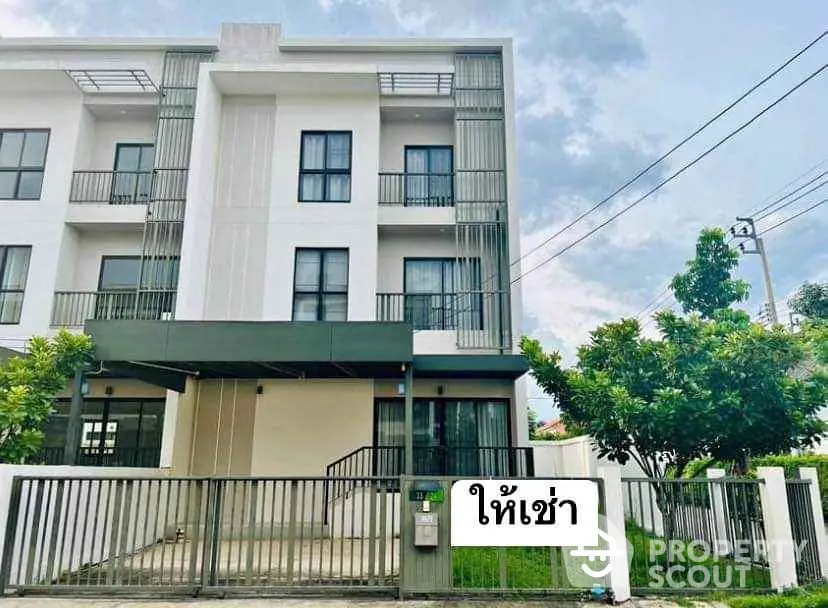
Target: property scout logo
{"x": 564, "y": 514}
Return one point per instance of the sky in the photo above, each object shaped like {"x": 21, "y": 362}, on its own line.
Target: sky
{"x": 604, "y": 87}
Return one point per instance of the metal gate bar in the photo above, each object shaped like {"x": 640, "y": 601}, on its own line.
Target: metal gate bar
{"x": 808, "y": 568}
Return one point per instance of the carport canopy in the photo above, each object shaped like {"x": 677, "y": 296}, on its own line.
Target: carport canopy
{"x": 165, "y": 353}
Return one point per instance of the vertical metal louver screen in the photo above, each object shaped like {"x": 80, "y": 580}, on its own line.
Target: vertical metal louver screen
{"x": 482, "y": 218}
{"x": 164, "y": 223}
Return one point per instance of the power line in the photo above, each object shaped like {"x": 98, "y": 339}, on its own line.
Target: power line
{"x": 674, "y": 148}
{"x": 793, "y": 217}
{"x": 759, "y": 214}
{"x": 793, "y": 181}
{"x": 687, "y": 166}
{"x": 655, "y": 301}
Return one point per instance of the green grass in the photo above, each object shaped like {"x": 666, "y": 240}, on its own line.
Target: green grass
{"x": 816, "y": 597}
{"x": 543, "y": 567}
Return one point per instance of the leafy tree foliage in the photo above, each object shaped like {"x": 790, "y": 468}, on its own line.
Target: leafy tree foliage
{"x": 28, "y": 386}
{"x": 707, "y": 285}
{"x": 811, "y": 301}
{"x": 718, "y": 388}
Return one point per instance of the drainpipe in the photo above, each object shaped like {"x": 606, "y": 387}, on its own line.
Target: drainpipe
{"x": 73, "y": 429}
{"x": 409, "y": 419}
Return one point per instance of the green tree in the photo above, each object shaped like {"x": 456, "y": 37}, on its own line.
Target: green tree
{"x": 810, "y": 301}
{"x": 718, "y": 388}
{"x": 532, "y": 415}
{"x": 28, "y": 386}
{"x": 707, "y": 285}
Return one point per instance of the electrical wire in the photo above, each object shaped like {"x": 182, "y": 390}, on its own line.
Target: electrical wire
{"x": 664, "y": 156}
{"x": 666, "y": 181}
{"x": 794, "y": 216}
{"x": 767, "y": 209}
{"x": 790, "y": 183}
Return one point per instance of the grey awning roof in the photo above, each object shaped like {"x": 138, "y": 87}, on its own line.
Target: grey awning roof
{"x": 164, "y": 353}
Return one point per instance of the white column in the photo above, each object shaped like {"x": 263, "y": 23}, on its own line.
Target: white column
{"x": 819, "y": 522}
{"x": 614, "y": 501}
{"x": 717, "y": 496}
{"x": 778, "y": 534}
{"x": 168, "y": 435}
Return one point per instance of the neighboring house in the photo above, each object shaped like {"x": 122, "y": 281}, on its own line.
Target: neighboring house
{"x": 272, "y": 243}
{"x": 556, "y": 427}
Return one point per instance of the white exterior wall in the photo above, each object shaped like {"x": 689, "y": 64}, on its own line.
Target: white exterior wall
{"x": 396, "y": 134}
{"x": 238, "y": 239}
{"x": 40, "y": 223}
{"x": 353, "y": 225}
{"x": 92, "y": 247}
{"x": 107, "y": 133}
{"x": 198, "y": 219}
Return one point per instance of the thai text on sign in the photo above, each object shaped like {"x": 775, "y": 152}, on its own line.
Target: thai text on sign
{"x": 524, "y": 513}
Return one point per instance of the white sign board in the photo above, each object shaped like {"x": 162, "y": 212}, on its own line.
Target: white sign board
{"x": 524, "y": 513}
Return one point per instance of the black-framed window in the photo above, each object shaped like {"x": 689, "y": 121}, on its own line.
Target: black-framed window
{"x": 114, "y": 432}
{"x": 14, "y": 272}
{"x": 22, "y": 163}
{"x": 429, "y": 175}
{"x": 451, "y": 436}
{"x": 325, "y": 166}
{"x": 431, "y": 298}
{"x": 119, "y": 280}
{"x": 132, "y": 180}
{"x": 320, "y": 285}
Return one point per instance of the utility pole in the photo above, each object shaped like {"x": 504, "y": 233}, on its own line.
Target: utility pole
{"x": 748, "y": 232}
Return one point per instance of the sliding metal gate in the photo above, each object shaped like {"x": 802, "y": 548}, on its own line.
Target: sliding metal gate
{"x": 202, "y": 536}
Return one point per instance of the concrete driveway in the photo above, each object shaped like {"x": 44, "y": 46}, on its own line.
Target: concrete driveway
{"x": 39, "y": 602}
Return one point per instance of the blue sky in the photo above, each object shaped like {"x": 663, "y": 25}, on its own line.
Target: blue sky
{"x": 603, "y": 88}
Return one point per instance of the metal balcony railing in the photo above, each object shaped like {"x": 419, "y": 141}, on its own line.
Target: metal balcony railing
{"x": 416, "y": 189}
{"x": 432, "y": 311}
{"x": 471, "y": 461}
{"x": 106, "y": 457}
{"x": 111, "y": 187}
{"x": 74, "y": 308}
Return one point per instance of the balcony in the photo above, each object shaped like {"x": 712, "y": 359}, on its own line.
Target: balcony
{"x": 479, "y": 461}
{"x": 416, "y": 189}
{"x": 103, "y": 457}
{"x": 416, "y": 199}
{"x": 432, "y": 311}
{"x": 74, "y": 308}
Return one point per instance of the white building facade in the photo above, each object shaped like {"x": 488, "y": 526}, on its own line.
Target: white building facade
{"x": 275, "y": 244}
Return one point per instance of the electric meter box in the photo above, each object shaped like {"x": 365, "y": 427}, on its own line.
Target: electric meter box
{"x": 425, "y": 530}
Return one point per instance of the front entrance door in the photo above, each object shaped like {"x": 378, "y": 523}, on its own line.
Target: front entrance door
{"x": 465, "y": 437}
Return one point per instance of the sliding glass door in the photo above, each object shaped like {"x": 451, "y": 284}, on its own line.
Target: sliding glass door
{"x": 451, "y": 436}
{"x": 429, "y": 177}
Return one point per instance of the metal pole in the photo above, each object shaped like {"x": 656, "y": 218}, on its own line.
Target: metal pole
{"x": 409, "y": 419}
{"x": 760, "y": 247}
{"x": 749, "y": 233}
{"x": 73, "y": 429}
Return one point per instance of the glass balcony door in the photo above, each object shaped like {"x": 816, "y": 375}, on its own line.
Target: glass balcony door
{"x": 133, "y": 174}
{"x": 428, "y": 175}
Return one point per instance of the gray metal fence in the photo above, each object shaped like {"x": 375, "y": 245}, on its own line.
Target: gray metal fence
{"x": 808, "y": 568}
{"x": 695, "y": 534}
{"x": 200, "y": 535}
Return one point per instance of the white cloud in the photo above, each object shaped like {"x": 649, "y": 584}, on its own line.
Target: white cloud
{"x": 567, "y": 306}
{"x": 17, "y": 18}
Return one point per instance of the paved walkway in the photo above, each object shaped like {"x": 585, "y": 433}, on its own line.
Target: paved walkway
{"x": 38, "y": 602}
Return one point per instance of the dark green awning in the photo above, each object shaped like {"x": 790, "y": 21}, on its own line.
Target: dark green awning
{"x": 164, "y": 353}
{"x": 501, "y": 367}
